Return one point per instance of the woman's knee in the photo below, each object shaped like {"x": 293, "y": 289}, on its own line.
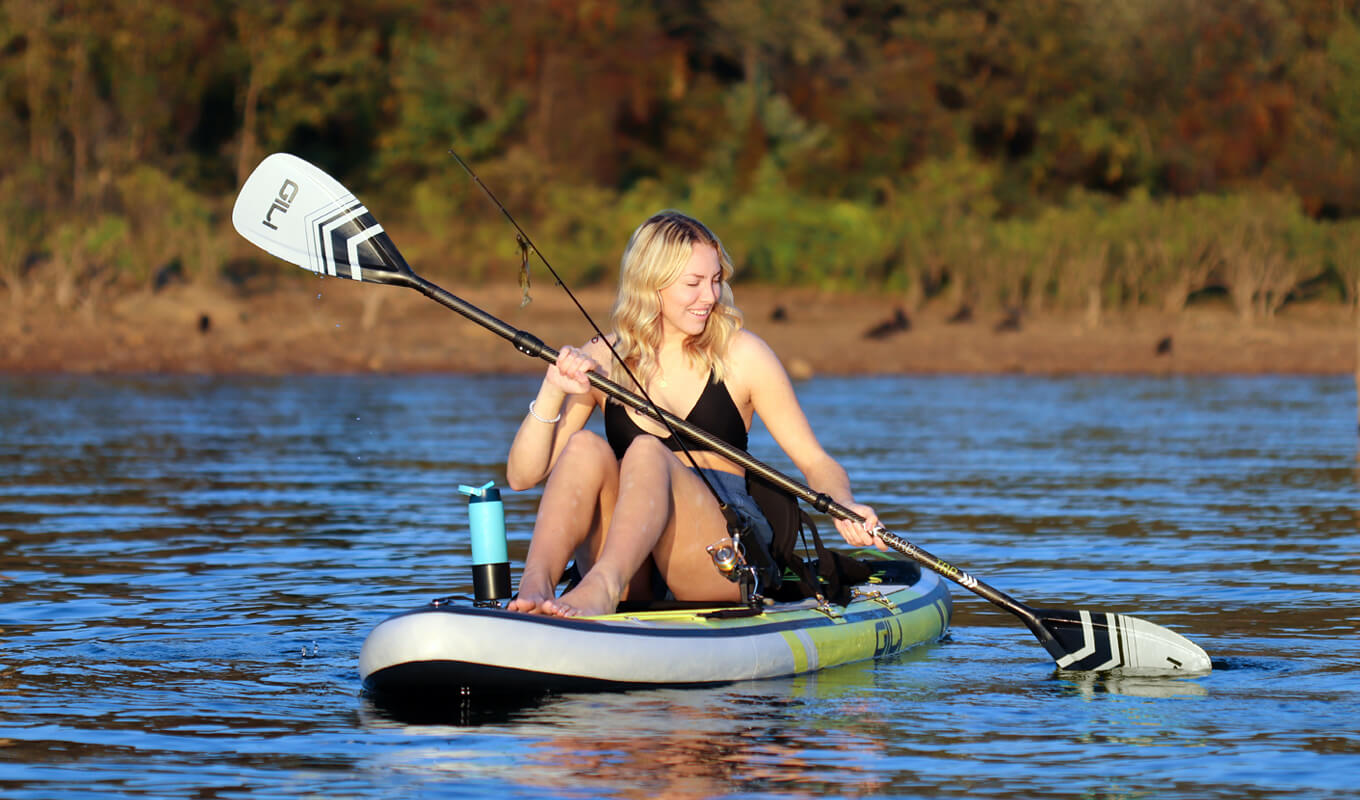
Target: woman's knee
{"x": 650, "y": 462}
{"x": 645, "y": 449}
{"x": 586, "y": 446}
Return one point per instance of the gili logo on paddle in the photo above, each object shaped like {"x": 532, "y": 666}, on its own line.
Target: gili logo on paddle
{"x": 287, "y": 194}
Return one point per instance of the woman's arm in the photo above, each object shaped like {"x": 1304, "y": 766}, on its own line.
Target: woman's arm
{"x": 564, "y": 402}
{"x": 773, "y": 398}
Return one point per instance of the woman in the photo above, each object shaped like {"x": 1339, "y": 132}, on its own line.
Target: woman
{"x": 624, "y": 505}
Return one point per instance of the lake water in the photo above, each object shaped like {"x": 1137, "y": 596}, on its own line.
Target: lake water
{"x": 188, "y": 567}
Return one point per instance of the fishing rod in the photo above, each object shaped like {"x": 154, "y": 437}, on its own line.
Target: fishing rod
{"x": 764, "y": 573}
{"x": 296, "y": 212}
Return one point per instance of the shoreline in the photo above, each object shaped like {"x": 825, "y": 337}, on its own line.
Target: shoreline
{"x": 310, "y": 325}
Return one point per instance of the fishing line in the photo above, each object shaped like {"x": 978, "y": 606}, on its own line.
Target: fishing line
{"x": 526, "y": 244}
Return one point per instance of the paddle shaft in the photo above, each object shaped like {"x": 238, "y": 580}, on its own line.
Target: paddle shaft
{"x": 531, "y": 345}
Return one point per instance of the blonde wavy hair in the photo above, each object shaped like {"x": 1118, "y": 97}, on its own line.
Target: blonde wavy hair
{"x": 657, "y": 253}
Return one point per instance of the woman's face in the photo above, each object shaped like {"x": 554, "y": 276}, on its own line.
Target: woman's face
{"x": 687, "y": 301}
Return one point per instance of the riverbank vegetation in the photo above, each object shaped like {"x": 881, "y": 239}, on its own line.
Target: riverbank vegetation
{"x": 1075, "y": 155}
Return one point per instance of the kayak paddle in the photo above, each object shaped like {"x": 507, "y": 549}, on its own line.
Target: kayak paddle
{"x": 295, "y": 211}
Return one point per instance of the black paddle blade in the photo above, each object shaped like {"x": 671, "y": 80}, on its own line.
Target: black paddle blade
{"x": 293, "y": 210}
{"x": 1098, "y": 641}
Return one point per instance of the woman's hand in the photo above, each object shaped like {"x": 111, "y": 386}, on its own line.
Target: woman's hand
{"x": 569, "y": 373}
{"x": 861, "y": 534}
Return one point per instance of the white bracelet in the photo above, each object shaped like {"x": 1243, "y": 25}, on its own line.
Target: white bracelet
{"x": 535, "y": 415}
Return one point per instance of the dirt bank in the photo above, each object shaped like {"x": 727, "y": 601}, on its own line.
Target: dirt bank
{"x": 310, "y": 325}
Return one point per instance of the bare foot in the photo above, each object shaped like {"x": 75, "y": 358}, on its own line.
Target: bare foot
{"x": 531, "y": 599}
{"x": 590, "y": 598}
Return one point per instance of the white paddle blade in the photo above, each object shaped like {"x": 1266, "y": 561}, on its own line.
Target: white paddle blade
{"x": 1103, "y": 642}
{"x": 293, "y": 210}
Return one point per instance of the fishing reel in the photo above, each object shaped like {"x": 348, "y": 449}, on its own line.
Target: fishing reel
{"x": 729, "y": 558}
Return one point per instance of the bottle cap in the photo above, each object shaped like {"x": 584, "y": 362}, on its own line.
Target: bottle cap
{"x": 476, "y": 491}
{"x": 481, "y": 493}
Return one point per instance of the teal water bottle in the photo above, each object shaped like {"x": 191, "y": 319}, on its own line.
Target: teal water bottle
{"x": 490, "y": 561}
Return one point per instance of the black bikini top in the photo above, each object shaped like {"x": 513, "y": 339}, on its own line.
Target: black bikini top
{"x": 715, "y": 411}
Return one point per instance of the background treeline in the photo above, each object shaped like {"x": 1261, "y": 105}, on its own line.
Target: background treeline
{"x": 1046, "y": 154}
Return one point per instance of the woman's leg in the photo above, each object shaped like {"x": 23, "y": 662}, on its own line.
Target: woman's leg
{"x": 663, "y": 510}
{"x": 578, "y": 501}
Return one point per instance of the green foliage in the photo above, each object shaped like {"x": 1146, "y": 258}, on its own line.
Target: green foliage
{"x": 1343, "y": 56}
{"x": 783, "y": 237}
{"x": 585, "y": 233}
{"x": 1343, "y": 245}
{"x": 442, "y": 97}
{"x": 942, "y": 217}
{"x": 167, "y": 221}
{"x": 85, "y": 257}
{"x": 21, "y": 230}
{"x": 23, "y": 223}
{"x": 1054, "y": 154}
{"x": 85, "y": 245}
{"x": 1165, "y": 250}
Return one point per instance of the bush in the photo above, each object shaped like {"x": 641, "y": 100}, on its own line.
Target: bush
{"x": 782, "y": 237}
{"x": 87, "y": 256}
{"x": 167, "y": 221}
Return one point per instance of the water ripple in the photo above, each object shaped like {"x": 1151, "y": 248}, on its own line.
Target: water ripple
{"x": 189, "y": 565}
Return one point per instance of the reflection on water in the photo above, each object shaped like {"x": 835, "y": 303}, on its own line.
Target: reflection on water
{"x": 1089, "y": 684}
{"x": 188, "y": 567}
{"x": 811, "y": 734}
